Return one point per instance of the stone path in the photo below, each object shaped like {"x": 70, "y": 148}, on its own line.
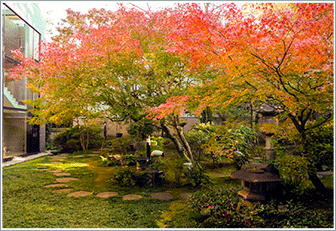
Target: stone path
{"x": 64, "y": 190}
{"x": 162, "y": 196}
{"x": 56, "y": 185}
{"x": 159, "y": 195}
{"x": 131, "y": 197}
{"x": 79, "y": 194}
{"x": 66, "y": 179}
{"x": 62, "y": 174}
{"x": 107, "y": 194}
{"x": 185, "y": 196}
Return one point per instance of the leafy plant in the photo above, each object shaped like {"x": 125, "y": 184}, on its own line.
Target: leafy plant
{"x": 233, "y": 142}
{"x": 123, "y": 177}
{"x": 69, "y": 140}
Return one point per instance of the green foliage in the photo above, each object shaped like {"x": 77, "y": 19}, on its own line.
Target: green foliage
{"x": 141, "y": 129}
{"x": 232, "y": 142}
{"x": 221, "y": 207}
{"x": 123, "y": 177}
{"x": 173, "y": 168}
{"x": 119, "y": 145}
{"x": 69, "y": 140}
{"x": 199, "y": 136}
{"x": 293, "y": 172}
{"x": 159, "y": 142}
{"x": 197, "y": 176}
{"x": 110, "y": 160}
{"x": 142, "y": 178}
{"x": 129, "y": 159}
{"x": 321, "y": 146}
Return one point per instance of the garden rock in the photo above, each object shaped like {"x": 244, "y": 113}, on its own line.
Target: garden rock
{"x": 62, "y": 174}
{"x": 64, "y": 190}
{"x": 185, "y": 196}
{"x": 79, "y": 194}
{"x": 66, "y": 179}
{"x": 132, "y": 197}
{"x": 55, "y": 185}
{"x": 162, "y": 196}
{"x": 107, "y": 194}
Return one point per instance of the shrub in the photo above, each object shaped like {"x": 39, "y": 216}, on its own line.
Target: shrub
{"x": 199, "y": 136}
{"x": 233, "y": 142}
{"x": 123, "y": 177}
{"x": 174, "y": 170}
{"x": 321, "y": 146}
{"x": 69, "y": 140}
{"x": 141, "y": 129}
{"x": 221, "y": 207}
{"x": 197, "y": 177}
{"x": 110, "y": 160}
{"x": 120, "y": 145}
{"x": 293, "y": 171}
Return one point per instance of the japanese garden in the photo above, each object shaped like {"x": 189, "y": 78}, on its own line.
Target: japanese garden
{"x": 227, "y": 115}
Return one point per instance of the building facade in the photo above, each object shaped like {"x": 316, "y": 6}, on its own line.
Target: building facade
{"x": 23, "y": 27}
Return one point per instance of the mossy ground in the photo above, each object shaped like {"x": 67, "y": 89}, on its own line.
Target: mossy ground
{"x": 28, "y": 204}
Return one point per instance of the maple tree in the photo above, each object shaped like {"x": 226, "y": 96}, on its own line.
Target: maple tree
{"x": 281, "y": 54}
{"x": 111, "y": 63}
{"x": 130, "y": 64}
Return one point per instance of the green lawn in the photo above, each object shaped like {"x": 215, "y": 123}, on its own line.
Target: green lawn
{"x": 28, "y": 204}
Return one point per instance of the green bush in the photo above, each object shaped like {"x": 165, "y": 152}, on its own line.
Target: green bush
{"x": 173, "y": 167}
{"x": 109, "y": 160}
{"x": 197, "y": 177}
{"x": 232, "y": 142}
{"x": 69, "y": 140}
{"x": 199, "y": 136}
{"x": 120, "y": 145}
{"x": 221, "y": 207}
{"x": 141, "y": 129}
{"x": 123, "y": 177}
{"x": 321, "y": 146}
{"x": 293, "y": 172}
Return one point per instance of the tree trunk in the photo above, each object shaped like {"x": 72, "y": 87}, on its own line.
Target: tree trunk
{"x": 178, "y": 146}
{"x": 81, "y": 136}
{"x": 317, "y": 183}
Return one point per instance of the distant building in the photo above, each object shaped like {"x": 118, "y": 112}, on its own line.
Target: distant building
{"x": 23, "y": 27}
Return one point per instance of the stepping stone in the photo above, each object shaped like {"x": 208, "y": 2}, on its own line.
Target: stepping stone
{"x": 64, "y": 190}
{"x": 56, "y": 185}
{"x": 185, "y": 195}
{"x": 107, "y": 194}
{"x": 79, "y": 194}
{"x": 162, "y": 196}
{"x": 80, "y": 156}
{"x": 132, "y": 197}
{"x": 66, "y": 179}
{"x": 55, "y": 171}
{"x": 62, "y": 174}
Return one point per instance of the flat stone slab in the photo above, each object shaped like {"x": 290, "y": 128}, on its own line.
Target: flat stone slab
{"x": 64, "y": 190}
{"x": 131, "y": 197}
{"x": 80, "y": 156}
{"x": 62, "y": 174}
{"x": 107, "y": 194}
{"x": 66, "y": 179}
{"x": 162, "y": 196}
{"x": 79, "y": 194}
{"x": 55, "y": 171}
{"x": 55, "y": 185}
{"x": 185, "y": 195}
